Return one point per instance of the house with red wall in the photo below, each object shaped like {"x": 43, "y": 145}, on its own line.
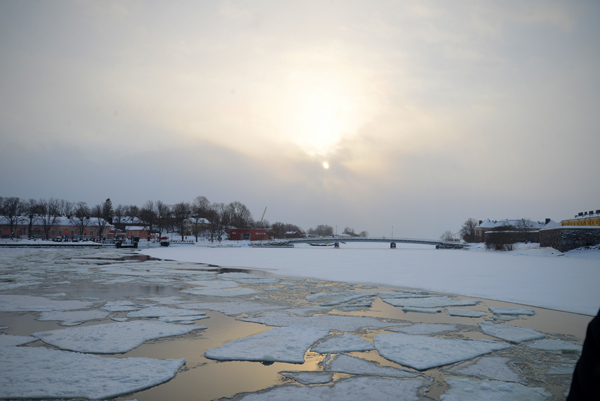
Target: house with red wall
{"x": 252, "y": 234}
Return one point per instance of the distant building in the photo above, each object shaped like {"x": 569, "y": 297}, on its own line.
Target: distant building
{"x": 583, "y": 219}
{"x": 293, "y": 234}
{"x": 251, "y": 234}
{"x": 63, "y": 228}
{"x": 519, "y": 224}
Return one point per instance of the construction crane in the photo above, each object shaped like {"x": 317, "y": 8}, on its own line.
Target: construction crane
{"x": 263, "y": 216}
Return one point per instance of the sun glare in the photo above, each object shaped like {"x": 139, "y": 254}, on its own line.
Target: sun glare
{"x": 320, "y": 115}
{"x": 325, "y": 165}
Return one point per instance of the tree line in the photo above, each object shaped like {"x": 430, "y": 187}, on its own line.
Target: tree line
{"x": 199, "y": 217}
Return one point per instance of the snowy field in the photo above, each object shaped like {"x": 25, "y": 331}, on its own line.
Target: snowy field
{"x": 530, "y": 275}
{"x": 79, "y": 323}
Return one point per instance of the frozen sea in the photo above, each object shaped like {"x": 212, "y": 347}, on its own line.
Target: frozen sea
{"x": 249, "y": 323}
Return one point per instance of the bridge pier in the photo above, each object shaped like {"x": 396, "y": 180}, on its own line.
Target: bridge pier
{"x": 392, "y": 245}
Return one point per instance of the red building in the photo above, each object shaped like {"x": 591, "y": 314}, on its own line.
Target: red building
{"x": 239, "y": 234}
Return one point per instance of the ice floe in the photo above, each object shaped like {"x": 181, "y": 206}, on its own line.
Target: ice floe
{"x": 351, "y": 389}
{"x": 182, "y": 319}
{"x": 555, "y": 346}
{"x": 422, "y": 352}
{"x": 492, "y": 367}
{"x": 465, "y": 312}
{"x": 280, "y": 344}
{"x": 28, "y": 303}
{"x": 111, "y": 338}
{"x": 36, "y": 372}
{"x": 232, "y": 308}
{"x": 337, "y": 298}
{"x": 7, "y": 340}
{"x": 220, "y": 292}
{"x": 429, "y": 302}
{"x": 162, "y": 311}
{"x": 329, "y": 322}
{"x": 308, "y": 377}
{"x": 509, "y": 310}
{"x": 425, "y": 328}
{"x": 343, "y": 343}
{"x": 119, "y": 306}
{"x": 510, "y": 333}
{"x": 356, "y": 366}
{"x": 73, "y": 318}
{"x": 561, "y": 370}
{"x": 420, "y": 310}
{"x": 486, "y": 390}
{"x": 214, "y": 283}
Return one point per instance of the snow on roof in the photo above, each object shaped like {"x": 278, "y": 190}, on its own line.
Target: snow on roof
{"x": 516, "y": 223}
{"x": 132, "y": 228}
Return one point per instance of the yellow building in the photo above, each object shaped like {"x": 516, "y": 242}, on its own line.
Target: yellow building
{"x": 586, "y": 219}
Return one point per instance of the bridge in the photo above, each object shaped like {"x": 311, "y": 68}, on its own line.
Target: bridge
{"x": 336, "y": 241}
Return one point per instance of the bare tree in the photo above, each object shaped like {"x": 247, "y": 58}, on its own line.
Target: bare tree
{"x": 11, "y": 209}
{"x": 363, "y": 234}
{"x": 181, "y": 213}
{"x": 349, "y": 231}
{"x": 322, "y": 230}
{"x": 31, "y": 212}
{"x": 66, "y": 208}
{"x": 97, "y": 214}
{"x": 523, "y": 228}
{"x": 467, "y": 231}
{"x": 81, "y": 217}
{"x": 239, "y": 215}
{"x": 119, "y": 214}
{"x": 148, "y": 217}
{"x": 49, "y": 213}
{"x": 448, "y": 236}
{"x": 163, "y": 215}
{"x": 200, "y": 210}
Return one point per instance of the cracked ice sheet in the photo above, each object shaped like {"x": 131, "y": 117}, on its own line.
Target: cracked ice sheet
{"x": 111, "y": 338}
{"x": 220, "y": 292}
{"x": 425, "y": 328}
{"x": 214, "y": 283}
{"x": 343, "y": 343}
{"x": 336, "y": 298}
{"x": 308, "y": 377}
{"x": 510, "y": 333}
{"x": 281, "y": 344}
{"x": 465, "y": 312}
{"x": 352, "y": 389}
{"x": 429, "y": 302}
{"x": 162, "y": 311}
{"x": 509, "y": 310}
{"x": 467, "y": 390}
{"x": 555, "y": 346}
{"x": 73, "y": 318}
{"x": 232, "y": 308}
{"x": 357, "y": 366}
{"x": 7, "y": 340}
{"x": 492, "y": 367}
{"x": 119, "y": 306}
{"x": 329, "y": 322}
{"x": 420, "y": 310}
{"x": 421, "y": 352}
{"x": 27, "y": 303}
{"x": 36, "y": 372}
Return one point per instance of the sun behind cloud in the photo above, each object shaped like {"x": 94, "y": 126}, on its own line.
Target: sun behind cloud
{"x": 325, "y": 165}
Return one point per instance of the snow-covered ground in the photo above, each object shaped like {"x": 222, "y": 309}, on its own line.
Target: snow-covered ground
{"x": 529, "y": 275}
{"x": 255, "y": 329}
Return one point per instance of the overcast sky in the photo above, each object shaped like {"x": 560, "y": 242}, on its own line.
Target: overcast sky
{"x": 426, "y": 112}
